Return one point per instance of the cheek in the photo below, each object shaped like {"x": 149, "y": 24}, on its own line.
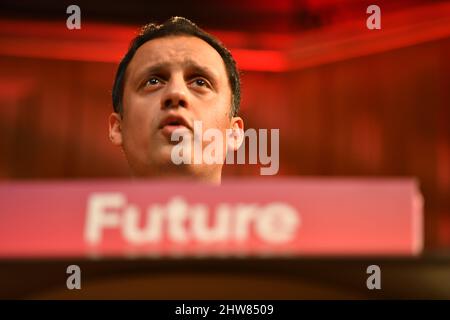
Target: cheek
{"x": 217, "y": 119}
{"x": 139, "y": 118}
{"x": 219, "y": 116}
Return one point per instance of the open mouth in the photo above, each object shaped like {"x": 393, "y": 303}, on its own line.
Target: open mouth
{"x": 172, "y": 123}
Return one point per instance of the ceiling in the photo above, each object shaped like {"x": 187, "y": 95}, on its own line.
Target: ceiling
{"x": 242, "y": 15}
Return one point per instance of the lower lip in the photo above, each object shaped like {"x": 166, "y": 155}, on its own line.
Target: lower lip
{"x": 168, "y": 130}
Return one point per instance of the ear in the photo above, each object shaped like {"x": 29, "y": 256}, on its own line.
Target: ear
{"x": 115, "y": 129}
{"x": 236, "y": 134}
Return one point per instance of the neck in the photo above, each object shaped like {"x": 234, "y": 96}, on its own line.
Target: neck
{"x": 212, "y": 176}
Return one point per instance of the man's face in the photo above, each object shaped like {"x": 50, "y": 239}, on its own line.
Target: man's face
{"x": 170, "y": 83}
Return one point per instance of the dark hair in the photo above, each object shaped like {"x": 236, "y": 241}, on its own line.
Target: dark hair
{"x": 176, "y": 26}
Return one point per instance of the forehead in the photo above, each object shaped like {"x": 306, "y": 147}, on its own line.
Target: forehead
{"x": 177, "y": 51}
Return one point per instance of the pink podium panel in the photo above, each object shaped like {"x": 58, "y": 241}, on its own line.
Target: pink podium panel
{"x": 279, "y": 217}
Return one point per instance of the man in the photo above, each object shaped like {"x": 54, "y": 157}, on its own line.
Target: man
{"x": 174, "y": 77}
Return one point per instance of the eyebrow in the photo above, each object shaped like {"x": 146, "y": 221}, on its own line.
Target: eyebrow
{"x": 188, "y": 63}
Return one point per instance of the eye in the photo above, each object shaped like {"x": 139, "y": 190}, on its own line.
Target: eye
{"x": 201, "y": 82}
{"x": 152, "y": 82}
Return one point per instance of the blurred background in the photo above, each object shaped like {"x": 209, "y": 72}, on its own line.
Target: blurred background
{"x": 348, "y": 101}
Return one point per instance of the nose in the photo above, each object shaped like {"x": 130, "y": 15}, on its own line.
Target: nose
{"x": 175, "y": 94}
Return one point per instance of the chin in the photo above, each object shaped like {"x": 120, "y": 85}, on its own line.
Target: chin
{"x": 162, "y": 156}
